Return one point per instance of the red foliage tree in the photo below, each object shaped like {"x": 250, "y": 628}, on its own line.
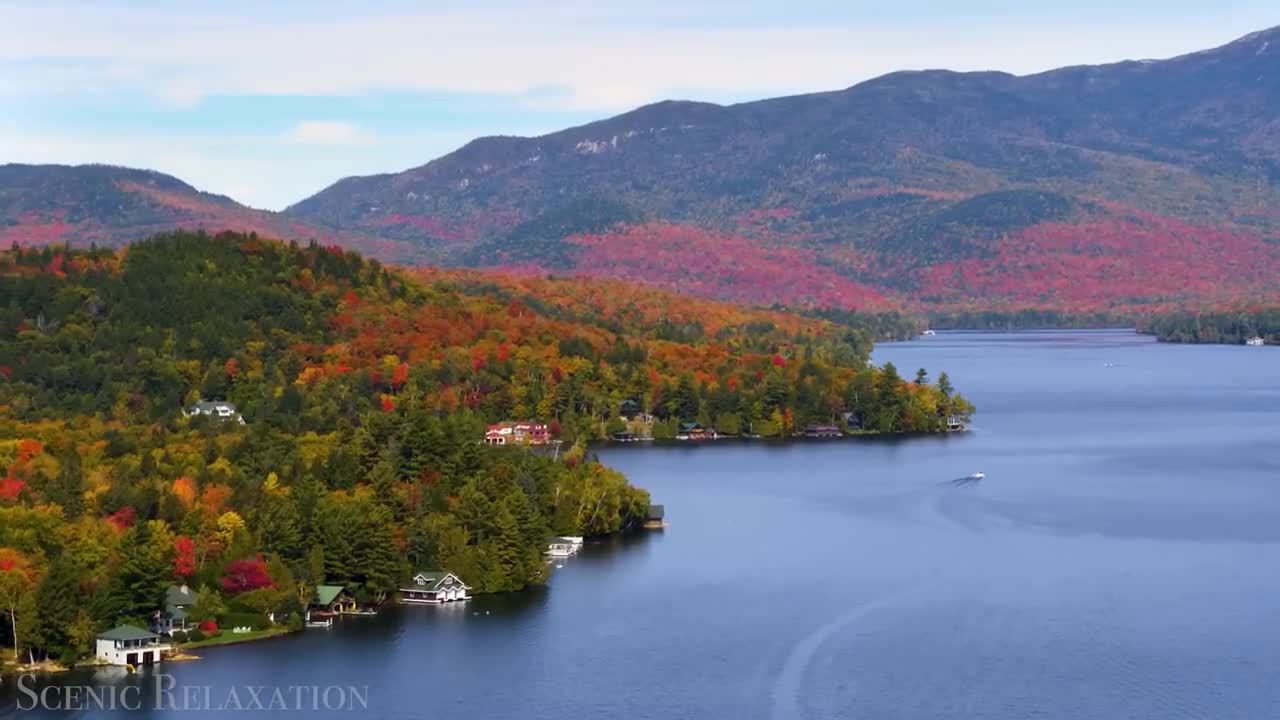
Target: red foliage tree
{"x": 123, "y": 518}
{"x": 245, "y": 575}
{"x": 184, "y": 556}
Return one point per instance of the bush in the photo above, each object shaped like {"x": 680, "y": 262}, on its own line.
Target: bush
{"x": 256, "y": 621}
{"x": 195, "y": 635}
{"x": 179, "y": 636}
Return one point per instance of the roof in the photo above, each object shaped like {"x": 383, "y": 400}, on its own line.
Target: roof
{"x": 177, "y": 613}
{"x": 179, "y": 596}
{"x": 435, "y": 577}
{"x": 562, "y": 541}
{"x": 127, "y": 632}
{"x": 204, "y": 405}
{"x": 326, "y": 594}
{"x": 690, "y": 426}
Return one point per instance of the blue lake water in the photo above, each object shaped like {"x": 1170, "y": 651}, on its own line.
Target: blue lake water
{"x": 1120, "y": 560}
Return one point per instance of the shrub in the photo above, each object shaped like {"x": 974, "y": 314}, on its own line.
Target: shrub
{"x": 257, "y": 621}
{"x": 195, "y": 635}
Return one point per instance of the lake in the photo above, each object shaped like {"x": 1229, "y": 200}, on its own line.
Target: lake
{"x": 1120, "y": 560}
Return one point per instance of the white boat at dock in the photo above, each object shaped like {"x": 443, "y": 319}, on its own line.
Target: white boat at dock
{"x": 564, "y": 546}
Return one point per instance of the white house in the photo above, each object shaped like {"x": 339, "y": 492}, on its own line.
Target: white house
{"x": 433, "y": 587}
{"x": 130, "y": 645}
{"x": 219, "y": 409}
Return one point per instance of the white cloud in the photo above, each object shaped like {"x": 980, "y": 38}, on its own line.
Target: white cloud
{"x": 326, "y": 132}
{"x": 607, "y": 58}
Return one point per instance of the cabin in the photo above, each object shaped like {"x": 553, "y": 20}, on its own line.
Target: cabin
{"x": 223, "y": 411}
{"x": 694, "y": 431}
{"x": 633, "y": 411}
{"x": 331, "y": 599}
{"x": 563, "y": 546}
{"x": 954, "y": 424}
{"x": 822, "y": 431}
{"x": 432, "y": 587}
{"x": 130, "y": 645}
{"x": 176, "y": 616}
{"x": 655, "y": 518}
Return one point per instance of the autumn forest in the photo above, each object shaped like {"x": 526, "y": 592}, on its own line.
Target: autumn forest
{"x": 365, "y": 391}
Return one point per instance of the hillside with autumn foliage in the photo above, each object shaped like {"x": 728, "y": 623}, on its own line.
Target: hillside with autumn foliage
{"x": 1120, "y": 188}
{"x": 112, "y": 206}
{"x": 365, "y": 392}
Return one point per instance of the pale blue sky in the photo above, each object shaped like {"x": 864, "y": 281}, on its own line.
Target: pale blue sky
{"x": 269, "y": 102}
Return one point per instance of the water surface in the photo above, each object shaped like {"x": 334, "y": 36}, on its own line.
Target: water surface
{"x": 1121, "y": 560}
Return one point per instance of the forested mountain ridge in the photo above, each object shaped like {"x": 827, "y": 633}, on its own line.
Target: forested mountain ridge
{"x": 113, "y": 206}
{"x": 365, "y": 392}
{"x": 1135, "y": 185}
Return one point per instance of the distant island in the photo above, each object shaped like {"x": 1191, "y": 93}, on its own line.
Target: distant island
{"x": 1255, "y": 327}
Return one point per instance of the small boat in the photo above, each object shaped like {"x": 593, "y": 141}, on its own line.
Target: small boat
{"x": 928, "y": 333}
{"x": 978, "y": 475}
{"x": 1255, "y": 341}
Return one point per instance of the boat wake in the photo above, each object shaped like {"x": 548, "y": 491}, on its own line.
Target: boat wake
{"x": 966, "y": 480}
{"x": 786, "y": 691}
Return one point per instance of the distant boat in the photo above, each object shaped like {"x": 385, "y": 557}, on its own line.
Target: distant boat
{"x": 928, "y": 332}
{"x": 1255, "y": 341}
{"x": 977, "y": 476}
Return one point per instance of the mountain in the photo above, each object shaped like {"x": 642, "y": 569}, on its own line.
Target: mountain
{"x": 111, "y": 206}
{"x": 1137, "y": 184}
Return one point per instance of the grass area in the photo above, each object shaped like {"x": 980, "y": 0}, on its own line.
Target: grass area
{"x": 229, "y": 638}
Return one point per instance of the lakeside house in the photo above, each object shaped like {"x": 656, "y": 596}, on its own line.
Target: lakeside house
{"x": 563, "y": 546}
{"x": 655, "y": 518}
{"x": 822, "y": 431}
{"x": 695, "y": 431}
{"x": 223, "y": 411}
{"x": 432, "y": 587}
{"x": 175, "y": 617}
{"x": 517, "y": 433}
{"x": 1255, "y": 341}
{"x": 130, "y": 645}
{"x": 331, "y": 600}
{"x": 954, "y": 424}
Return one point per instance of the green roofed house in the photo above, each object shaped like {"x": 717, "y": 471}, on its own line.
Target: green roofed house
{"x": 131, "y": 645}
{"x": 694, "y": 431}
{"x": 431, "y": 587}
{"x": 332, "y": 599}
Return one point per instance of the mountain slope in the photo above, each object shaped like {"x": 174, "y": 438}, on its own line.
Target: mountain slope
{"x": 895, "y": 183}
{"x": 112, "y": 206}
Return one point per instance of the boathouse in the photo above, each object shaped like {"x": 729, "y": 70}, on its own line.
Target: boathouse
{"x": 822, "y": 431}
{"x": 131, "y": 645}
{"x": 656, "y": 517}
{"x": 433, "y": 587}
{"x": 332, "y": 599}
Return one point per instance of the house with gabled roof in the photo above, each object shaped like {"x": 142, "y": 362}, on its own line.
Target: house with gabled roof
{"x": 333, "y": 599}
{"x": 130, "y": 645}
{"x": 176, "y": 617}
{"x": 431, "y": 587}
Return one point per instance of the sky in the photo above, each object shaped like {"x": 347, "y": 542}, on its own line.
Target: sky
{"x": 271, "y": 101}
